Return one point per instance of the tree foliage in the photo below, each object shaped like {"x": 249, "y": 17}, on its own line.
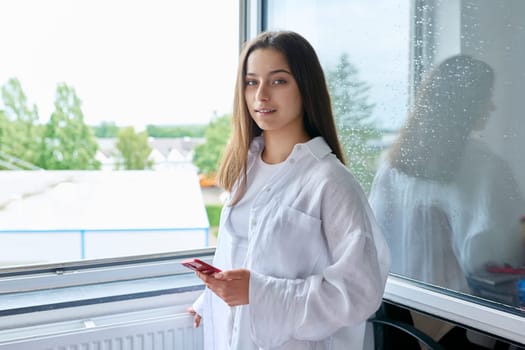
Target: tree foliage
{"x": 106, "y": 130}
{"x": 162, "y": 131}
{"x": 5, "y": 126}
{"x": 68, "y": 142}
{"x": 207, "y": 155}
{"x": 20, "y": 133}
{"x": 6, "y": 131}
{"x": 352, "y": 112}
{"x": 134, "y": 150}
{"x": 5, "y": 138}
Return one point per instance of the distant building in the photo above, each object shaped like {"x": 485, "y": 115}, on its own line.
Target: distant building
{"x": 167, "y": 153}
{"x": 54, "y": 216}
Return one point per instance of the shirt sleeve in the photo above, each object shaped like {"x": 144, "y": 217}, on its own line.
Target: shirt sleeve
{"x": 198, "y": 305}
{"x": 346, "y": 293}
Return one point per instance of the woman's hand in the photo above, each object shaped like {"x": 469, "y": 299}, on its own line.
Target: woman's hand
{"x": 232, "y": 286}
{"x": 196, "y": 317}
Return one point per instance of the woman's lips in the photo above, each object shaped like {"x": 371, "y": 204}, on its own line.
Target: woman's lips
{"x": 264, "y": 111}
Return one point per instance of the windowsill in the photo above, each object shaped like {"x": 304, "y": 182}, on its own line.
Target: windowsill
{"x": 57, "y": 298}
{"x": 50, "y": 299}
{"x": 24, "y": 290}
{"x": 491, "y": 320}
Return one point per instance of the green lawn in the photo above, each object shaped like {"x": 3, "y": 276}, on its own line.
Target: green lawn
{"x": 214, "y": 215}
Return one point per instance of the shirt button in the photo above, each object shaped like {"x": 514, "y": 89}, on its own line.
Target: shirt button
{"x": 267, "y": 189}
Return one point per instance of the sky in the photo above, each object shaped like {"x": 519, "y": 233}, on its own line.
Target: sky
{"x": 133, "y": 62}
{"x": 172, "y": 62}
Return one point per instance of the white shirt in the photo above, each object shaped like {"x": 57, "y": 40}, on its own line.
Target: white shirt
{"x": 317, "y": 259}
{"x": 256, "y": 179}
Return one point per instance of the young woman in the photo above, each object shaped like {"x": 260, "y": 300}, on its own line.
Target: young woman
{"x": 304, "y": 264}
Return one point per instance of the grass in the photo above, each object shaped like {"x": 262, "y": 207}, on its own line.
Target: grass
{"x": 214, "y": 216}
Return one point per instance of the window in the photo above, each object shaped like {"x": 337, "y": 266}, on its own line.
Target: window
{"x": 103, "y": 106}
{"x": 383, "y": 62}
{"x": 427, "y": 97}
{"x": 369, "y": 94}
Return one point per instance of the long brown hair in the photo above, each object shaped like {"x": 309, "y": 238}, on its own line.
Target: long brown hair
{"x": 449, "y": 104}
{"x": 318, "y": 118}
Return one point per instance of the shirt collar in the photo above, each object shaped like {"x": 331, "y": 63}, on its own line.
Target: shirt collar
{"x": 316, "y": 146}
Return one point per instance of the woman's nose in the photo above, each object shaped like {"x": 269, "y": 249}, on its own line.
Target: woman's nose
{"x": 262, "y": 93}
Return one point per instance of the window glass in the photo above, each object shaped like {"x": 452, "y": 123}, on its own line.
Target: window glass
{"x": 105, "y": 112}
{"x": 427, "y": 98}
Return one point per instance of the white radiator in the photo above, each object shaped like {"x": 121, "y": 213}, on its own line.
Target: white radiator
{"x": 137, "y": 331}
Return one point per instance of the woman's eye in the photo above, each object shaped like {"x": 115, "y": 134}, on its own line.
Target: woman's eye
{"x": 279, "y": 81}
{"x": 251, "y": 82}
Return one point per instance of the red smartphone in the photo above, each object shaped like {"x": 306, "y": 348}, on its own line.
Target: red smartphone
{"x": 201, "y": 266}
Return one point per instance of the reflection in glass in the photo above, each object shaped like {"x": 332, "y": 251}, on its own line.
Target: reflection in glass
{"x": 449, "y": 206}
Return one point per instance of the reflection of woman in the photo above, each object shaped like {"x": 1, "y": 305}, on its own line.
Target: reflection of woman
{"x": 446, "y": 203}
{"x": 304, "y": 264}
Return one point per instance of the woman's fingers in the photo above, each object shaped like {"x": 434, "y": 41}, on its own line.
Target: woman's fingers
{"x": 231, "y": 286}
{"x": 196, "y": 317}
{"x": 197, "y": 320}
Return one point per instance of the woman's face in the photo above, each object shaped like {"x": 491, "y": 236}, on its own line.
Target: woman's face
{"x": 271, "y": 92}
{"x": 485, "y": 115}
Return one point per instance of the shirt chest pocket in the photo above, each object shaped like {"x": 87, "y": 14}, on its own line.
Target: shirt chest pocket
{"x": 290, "y": 244}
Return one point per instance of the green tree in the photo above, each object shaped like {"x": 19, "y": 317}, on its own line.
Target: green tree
{"x": 352, "y": 113}
{"x": 160, "y": 131}
{"x": 5, "y": 138}
{"x": 207, "y": 155}
{"x": 134, "y": 150}
{"x": 22, "y": 140}
{"x": 6, "y": 131}
{"x": 106, "y": 130}
{"x": 68, "y": 142}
